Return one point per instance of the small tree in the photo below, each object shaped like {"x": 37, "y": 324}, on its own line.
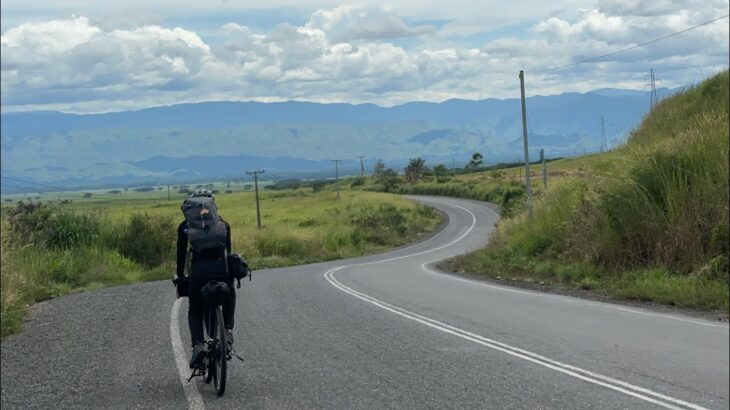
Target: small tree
{"x": 389, "y": 179}
{"x": 441, "y": 173}
{"x": 476, "y": 161}
{"x": 415, "y": 170}
{"x": 87, "y": 195}
{"x": 379, "y": 169}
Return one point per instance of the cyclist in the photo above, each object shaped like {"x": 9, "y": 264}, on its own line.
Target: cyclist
{"x": 205, "y": 265}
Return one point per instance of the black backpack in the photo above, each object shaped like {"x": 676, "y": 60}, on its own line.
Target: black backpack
{"x": 206, "y": 230}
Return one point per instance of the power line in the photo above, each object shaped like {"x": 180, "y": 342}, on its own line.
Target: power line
{"x": 18, "y": 188}
{"x": 23, "y": 188}
{"x": 632, "y": 47}
{"x": 34, "y": 183}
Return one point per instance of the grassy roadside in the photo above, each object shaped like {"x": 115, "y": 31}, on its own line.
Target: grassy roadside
{"x": 646, "y": 222}
{"x": 53, "y": 250}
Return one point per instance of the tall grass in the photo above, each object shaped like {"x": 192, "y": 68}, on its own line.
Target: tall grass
{"x": 659, "y": 205}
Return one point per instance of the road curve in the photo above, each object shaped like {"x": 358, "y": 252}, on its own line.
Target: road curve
{"x": 382, "y": 331}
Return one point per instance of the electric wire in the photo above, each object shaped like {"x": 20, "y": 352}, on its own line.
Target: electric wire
{"x": 587, "y": 60}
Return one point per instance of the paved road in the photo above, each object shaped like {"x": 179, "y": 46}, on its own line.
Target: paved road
{"x": 384, "y": 331}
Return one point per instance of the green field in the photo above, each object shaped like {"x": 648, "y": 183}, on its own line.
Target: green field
{"x": 127, "y": 237}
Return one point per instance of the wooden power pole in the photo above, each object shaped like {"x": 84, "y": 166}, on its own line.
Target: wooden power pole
{"x": 524, "y": 139}
{"x": 362, "y": 166}
{"x": 256, "y": 188}
{"x": 337, "y": 176}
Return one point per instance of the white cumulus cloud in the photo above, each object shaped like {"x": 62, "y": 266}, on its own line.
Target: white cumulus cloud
{"x": 353, "y": 54}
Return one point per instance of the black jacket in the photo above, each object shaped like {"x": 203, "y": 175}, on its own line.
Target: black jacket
{"x": 182, "y": 247}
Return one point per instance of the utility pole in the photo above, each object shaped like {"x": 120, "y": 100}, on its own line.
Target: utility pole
{"x": 337, "y": 176}
{"x": 362, "y": 166}
{"x": 653, "y": 99}
{"x": 544, "y": 168}
{"x": 524, "y": 139}
{"x": 603, "y": 134}
{"x": 256, "y": 187}
{"x": 168, "y": 192}
{"x": 453, "y": 166}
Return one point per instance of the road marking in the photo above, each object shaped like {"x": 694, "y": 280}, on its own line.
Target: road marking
{"x": 543, "y": 294}
{"x": 582, "y": 374}
{"x": 195, "y": 401}
{"x": 506, "y": 288}
{"x": 573, "y": 371}
{"x": 395, "y": 258}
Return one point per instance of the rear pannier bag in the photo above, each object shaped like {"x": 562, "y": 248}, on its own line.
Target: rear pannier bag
{"x": 215, "y": 292}
{"x": 237, "y": 266}
{"x": 205, "y": 228}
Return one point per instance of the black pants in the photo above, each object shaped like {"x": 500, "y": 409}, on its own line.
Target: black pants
{"x": 203, "y": 271}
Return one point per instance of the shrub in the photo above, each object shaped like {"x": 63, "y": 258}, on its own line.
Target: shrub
{"x": 66, "y": 230}
{"x": 61, "y": 229}
{"x": 382, "y": 225}
{"x": 146, "y": 239}
{"x": 284, "y": 184}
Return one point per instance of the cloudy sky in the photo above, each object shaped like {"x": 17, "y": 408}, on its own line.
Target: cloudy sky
{"x": 92, "y": 56}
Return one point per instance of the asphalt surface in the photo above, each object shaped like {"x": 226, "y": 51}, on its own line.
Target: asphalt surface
{"x": 378, "y": 332}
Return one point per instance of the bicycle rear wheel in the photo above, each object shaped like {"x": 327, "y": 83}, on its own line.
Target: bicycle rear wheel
{"x": 209, "y": 320}
{"x": 219, "y": 363}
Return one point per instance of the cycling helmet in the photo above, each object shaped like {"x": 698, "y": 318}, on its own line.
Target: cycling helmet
{"x": 202, "y": 192}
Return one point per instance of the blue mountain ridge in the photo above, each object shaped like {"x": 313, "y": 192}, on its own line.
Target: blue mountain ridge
{"x": 216, "y": 139}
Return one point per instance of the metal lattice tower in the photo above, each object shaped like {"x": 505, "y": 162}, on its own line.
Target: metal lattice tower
{"x": 652, "y": 86}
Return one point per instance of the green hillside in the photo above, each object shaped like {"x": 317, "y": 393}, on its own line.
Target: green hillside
{"x": 648, "y": 221}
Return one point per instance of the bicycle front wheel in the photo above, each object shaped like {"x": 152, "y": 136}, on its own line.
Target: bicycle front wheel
{"x": 219, "y": 355}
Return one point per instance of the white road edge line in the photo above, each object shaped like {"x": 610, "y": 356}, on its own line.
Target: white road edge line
{"x": 570, "y": 370}
{"x": 195, "y": 401}
{"x": 569, "y": 299}
{"x": 620, "y": 386}
{"x": 549, "y": 295}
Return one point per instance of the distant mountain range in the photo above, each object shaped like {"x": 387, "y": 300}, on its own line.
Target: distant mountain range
{"x": 213, "y": 140}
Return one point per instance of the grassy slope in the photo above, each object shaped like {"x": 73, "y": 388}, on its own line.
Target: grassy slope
{"x": 648, "y": 221}
{"x": 298, "y": 227}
